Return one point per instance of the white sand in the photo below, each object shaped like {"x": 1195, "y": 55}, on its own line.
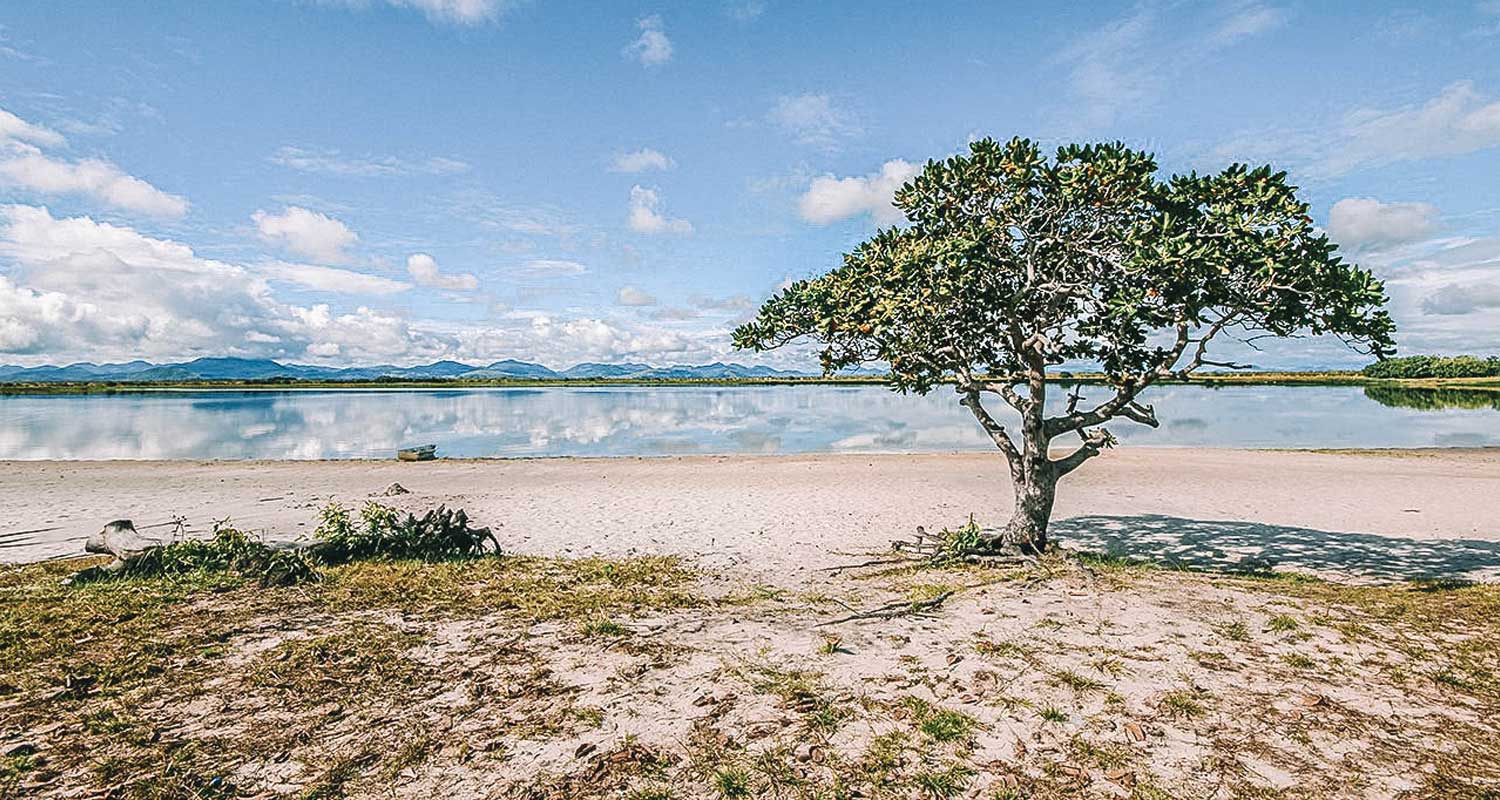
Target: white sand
{"x": 786, "y": 515}
{"x": 1338, "y": 703}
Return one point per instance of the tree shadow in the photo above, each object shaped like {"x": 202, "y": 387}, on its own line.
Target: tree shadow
{"x": 1257, "y": 547}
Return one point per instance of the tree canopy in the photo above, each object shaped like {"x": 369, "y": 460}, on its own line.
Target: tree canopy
{"x": 1013, "y": 263}
{"x": 1010, "y": 258}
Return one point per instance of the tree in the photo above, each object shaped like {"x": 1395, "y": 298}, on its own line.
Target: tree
{"x": 1013, "y": 263}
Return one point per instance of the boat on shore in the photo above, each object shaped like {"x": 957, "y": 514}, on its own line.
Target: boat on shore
{"x": 425, "y": 452}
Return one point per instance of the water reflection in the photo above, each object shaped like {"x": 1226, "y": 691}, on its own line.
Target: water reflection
{"x": 1433, "y": 399}
{"x": 629, "y": 421}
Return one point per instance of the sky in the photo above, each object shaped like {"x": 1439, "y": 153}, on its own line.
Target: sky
{"x": 399, "y": 181}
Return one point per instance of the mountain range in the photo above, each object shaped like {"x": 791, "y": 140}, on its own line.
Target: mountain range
{"x": 222, "y": 369}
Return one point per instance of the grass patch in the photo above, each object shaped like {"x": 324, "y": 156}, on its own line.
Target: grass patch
{"x": 941, "y": 725}
{"x": 1183, "y": 704}
{"x": 1078, "y": 683}
{"x": 81, "y": 654}
{"x": 1298, "y": 661}
{"x": 1282, "y": 623}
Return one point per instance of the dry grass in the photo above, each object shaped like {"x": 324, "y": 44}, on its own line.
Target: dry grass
{"x": 542, "y": 678}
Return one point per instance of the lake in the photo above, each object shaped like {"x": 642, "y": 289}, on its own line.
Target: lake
{"x": 672, "y": 420}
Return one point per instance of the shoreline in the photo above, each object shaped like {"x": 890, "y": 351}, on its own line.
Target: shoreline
{"x": 782, "y": 515}
{"x": 1209, "y": 380}
{"x": 1455, "y": 451}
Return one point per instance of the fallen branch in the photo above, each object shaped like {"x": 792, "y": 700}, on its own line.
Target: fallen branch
{"x": 892, "y": 610}
{"x": 873, "y": 563}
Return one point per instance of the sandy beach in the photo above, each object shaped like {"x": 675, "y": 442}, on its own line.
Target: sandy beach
{"x": 785, "y": 515}
{"x": 732, "y": 662}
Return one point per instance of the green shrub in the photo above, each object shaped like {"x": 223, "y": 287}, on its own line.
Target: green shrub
{"x": 955, "y": 545}
{"x": 1435, "y": 367}
{"x": 382, "y": 532}
{"x": 227, "y": 551}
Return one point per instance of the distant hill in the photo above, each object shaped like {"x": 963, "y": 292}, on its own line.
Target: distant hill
{"x": 252, "y": 369}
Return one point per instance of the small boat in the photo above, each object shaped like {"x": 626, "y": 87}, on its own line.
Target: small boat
{"x": 426, "y": 452}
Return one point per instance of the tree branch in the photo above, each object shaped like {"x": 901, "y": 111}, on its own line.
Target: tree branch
{"x": 1002, "y": 440}
{"x": 1094, "y": 442}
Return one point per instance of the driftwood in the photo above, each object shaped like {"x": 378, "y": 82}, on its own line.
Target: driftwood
{"x": 120, "y": 540}
{"x": 899, "y": 608}
{"x": 925, "y": 546}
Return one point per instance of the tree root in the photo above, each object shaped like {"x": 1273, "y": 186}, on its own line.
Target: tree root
{"x": 892, "y": 610}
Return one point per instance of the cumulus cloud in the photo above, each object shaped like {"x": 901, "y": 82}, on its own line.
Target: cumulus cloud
{"x": 631, "y": 296}
{"x": 645, "y": 218}
{"x": 652, "y": 48}
{"x": 86, "y": 289}
{"x": 560, "y": 341}
{"x": 332, "y": 279}
{"x": 331, "y": 162}
{"x": 306, "y": 233}
{"x": 424, "y": 270}
{"x": 24, "y": 164}
{"x": 813, "y": 119}
{"x": 642, "y": 160}
{"x": 78, "y": 289}
{"x": 1364, "y": 222}
{"x": 829, "y": 199}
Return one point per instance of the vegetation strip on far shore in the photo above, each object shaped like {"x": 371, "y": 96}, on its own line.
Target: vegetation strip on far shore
{"x": 1249, "y": 378}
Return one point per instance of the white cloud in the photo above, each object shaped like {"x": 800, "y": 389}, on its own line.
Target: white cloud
{"x": 13, "y": 128}
{"x": 452, "y": 12}
{"x": 554, "y": 267}
{"x": 1456, "y": 299}
{"x": 1456, "y": 121}
{"x": 424, "y": 270}
{"x": 331, "y": 162}
{"x": 1130, "y": 62}
{"x": 332, "y": 279}
{"x": 1442, "y": 292}
{"x": 645, "y": 218}
{"x": 307, "y": 233}
{"x": 652, "y": 48}
{"x": 24, "y": 164}
{"x": 641, "y": 160}
{"x": 84, "y": 289}
{"x": 551, "y": 340}
{"x": 813, "y": 119}
{"x": 734, "y": 302}
{"x": 1364, "y": 222}
{"x": 93, "y": 178}
{"x": 76, "y": 289}
{"x": 1249, "y": 21}
{"x": 631, "y": 296}
{"x": 830, "y": 199}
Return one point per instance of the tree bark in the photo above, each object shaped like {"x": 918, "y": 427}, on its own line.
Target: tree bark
{"x": 1035, "y": 492}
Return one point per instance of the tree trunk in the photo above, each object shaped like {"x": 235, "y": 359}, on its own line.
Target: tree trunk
{"x": 1035, "y": 491}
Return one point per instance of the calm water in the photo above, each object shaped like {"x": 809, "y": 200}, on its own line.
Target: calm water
{"x": 631, "y": 421}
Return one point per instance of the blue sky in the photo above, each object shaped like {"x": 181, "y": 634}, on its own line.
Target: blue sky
{"x": 405, "y": 180}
